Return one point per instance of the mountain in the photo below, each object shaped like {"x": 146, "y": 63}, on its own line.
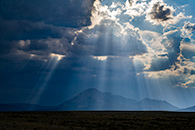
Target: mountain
{"x": 93, "y": 99}
{"x": 22, "y": 107}
{"x": 189, "y": 109}
{"x": 151, "y": 104}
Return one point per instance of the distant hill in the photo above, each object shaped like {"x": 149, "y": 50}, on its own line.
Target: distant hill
{"x": 93, "y": 99}
{"x": 22, "y": 107}
{"x": 151, "y": 104}
{"x": 189, "y": 109}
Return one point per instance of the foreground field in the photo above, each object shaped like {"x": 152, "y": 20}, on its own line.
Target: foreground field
{"x": 96, "y": 120}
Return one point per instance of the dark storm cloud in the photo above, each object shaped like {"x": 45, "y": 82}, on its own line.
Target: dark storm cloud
{"x": 72, "y": 13}
{"x": 7, "y": 47}
{"x": 160, "y": 12}
{"x": 40, "y": 49}
{"x": 46, "y": 36}
{"x": 35, "y": 19}
{"x": 23, "y": 30}
{"x": 34, "y": 29}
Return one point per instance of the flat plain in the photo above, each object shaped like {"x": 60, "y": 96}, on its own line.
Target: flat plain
{"x": 122, "y": 120}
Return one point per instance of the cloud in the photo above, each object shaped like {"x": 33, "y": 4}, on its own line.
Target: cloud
{"x": 102, "y": 58}
{"x": 36, "y": 49}
{"x": 106, "y": 37}
{"x": 23, "y": 30}
{"x": 188, "y": 50}
{"x": 57, "y": 56}
{"x": 130, "y": 3}
{"x": 23, "y": 43}
{"x": 189, "y": 26}
{"x": 187, "y": 30}
{"x": 153, "y": 39}
{"x": 159, "y": 13}
{"x": 177, "y": 65}
{"x": 135, "y": 9}
{"x": 170, "y": 52}
{"x": 101, "y": 12}
{"x": 74, "y": 13}
{"x": 109, "y": 38}
{"x": 46, "y": 47}
{"x": 97, "y": 33}
{"x": 164, "y": 58}
{"x": 182, "y": 76}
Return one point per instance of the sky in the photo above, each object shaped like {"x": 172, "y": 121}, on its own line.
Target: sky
{"x": 52, "y": 50}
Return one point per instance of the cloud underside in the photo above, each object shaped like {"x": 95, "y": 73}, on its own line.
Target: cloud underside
{"x": 159, "y": 13}
{"x": 103, "y": 33}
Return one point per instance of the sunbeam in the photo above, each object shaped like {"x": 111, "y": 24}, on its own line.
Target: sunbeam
{"x": 41, "y": 84}
{"x": 143, "y": 51}
{"x": 114, "y": 38}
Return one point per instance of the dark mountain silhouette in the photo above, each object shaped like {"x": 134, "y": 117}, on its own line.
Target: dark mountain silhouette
{"x": 93, "y": 99}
